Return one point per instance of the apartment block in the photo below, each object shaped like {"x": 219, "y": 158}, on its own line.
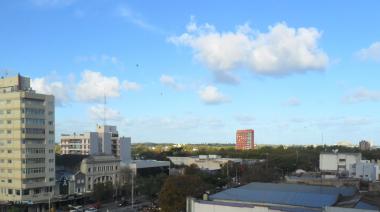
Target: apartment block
{"x": 245, "y": 139}
{"x": 105, "y": 140}
{"x": 26, "y": 142}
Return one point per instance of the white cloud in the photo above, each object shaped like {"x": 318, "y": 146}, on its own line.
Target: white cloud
{"x": 137, "y": 19}
{"x": 280, "y": 51}
{"x": 211, "y": 95}
{"x": 370, "y": 53}
{"x": 170, "y": 81}
{"x": 362, "y": 95}
{"x": 103, "y": 59}
{"x": 131, "y": 86}
{"x": 293, "y": 101}
{"x": 56, "y": 88}
{"x": 94, "y": 86}
{"x": 98, "y": 113}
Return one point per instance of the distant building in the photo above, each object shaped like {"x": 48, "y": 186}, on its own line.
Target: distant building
{"x": 331, "y": 163}
{"x": 146, "y": 168}
{"x": 365, "y": 170}
{"x": 279, "y": 197}
{"x": 27, "y": 129}
{"x": 245, "y": 139}
{"x": 364, "y": 145}
{"x": 80, "y": 144}
{"x": 204, "y": 162}
{"x": 100, "y": 169}
{"x": 68, "y": 183}
{"x": 105, "y": 140}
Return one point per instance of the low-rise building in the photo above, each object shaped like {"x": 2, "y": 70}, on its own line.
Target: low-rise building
{"x": 337, "y": 163}
{"x": 204, "y": 162}
{"x": 365, "y": 170}
{"x": 80, "y": 144}
{"x": 149, "y": 167}
{"x": 68, "y": 183}
{"x": 272, "y": 197}
{"x": 100, "y": 169}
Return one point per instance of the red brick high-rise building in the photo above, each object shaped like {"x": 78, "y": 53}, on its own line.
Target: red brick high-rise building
{"x": 245, "y": 139}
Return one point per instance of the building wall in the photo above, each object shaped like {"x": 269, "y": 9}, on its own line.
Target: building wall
{"x": 26, "y": 142}
{"x": 245, "y": 139}
{"x": 365, "y": 170}
{"x": 124, "y": 150}
{"x": 82, "y": 144}
{"x": 338, "y": 162}
{"x": 100, "y": 169}
{"x": 210, "y": 206}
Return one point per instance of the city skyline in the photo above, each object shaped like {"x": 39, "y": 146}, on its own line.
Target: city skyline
{"x": 197, "y": 72}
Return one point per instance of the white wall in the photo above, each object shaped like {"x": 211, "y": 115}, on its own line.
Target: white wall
{"x": 125, "y": 150}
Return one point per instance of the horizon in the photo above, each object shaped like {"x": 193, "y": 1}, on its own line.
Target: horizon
{"x": 181, "y": 71}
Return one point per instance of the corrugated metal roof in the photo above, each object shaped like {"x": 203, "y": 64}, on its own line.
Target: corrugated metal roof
{"x": 285, "y": 194}
{"x": 363, "y": 205}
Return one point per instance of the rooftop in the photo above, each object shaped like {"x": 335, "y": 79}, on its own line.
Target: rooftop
{"x": 285, "y": 194}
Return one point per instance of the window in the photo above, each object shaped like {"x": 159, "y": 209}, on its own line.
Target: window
{"x": 25, "y": 192}
{"x": 18, "y": 192}
{"x": 9, "y": 180}
{"x": 9, "y": 151}
{"x": 10, "y": 191}
{"x": 9, "y": 161}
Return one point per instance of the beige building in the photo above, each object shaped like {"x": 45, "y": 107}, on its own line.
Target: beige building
{"x": 100, "y": 169}
{"x": 26, "y": 142}
{"x": 80, "y": 144}
{"x": 105, "y": 140}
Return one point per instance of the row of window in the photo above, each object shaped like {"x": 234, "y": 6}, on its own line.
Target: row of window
{"x": 51, "y": 141}
{"x": 33, "y": 160}
{"x": 102, "y": 169}
{"x": 33, "y": 170}
{"x": 25, "y": 191}
{"x": 33, "y": 151}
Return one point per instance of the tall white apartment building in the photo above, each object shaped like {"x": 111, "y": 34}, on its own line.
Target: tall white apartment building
{"x": 26, "y": 142}
{"x": 105, "y": 140}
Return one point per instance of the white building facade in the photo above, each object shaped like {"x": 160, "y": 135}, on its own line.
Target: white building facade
{"x": 365, "y": 170}
{"x": 337, "y": 163}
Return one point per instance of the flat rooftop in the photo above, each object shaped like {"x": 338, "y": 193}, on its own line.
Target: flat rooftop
{"x": 285, "y": 194}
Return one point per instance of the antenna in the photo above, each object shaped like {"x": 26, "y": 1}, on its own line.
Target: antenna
{"x": 104, "y": 109}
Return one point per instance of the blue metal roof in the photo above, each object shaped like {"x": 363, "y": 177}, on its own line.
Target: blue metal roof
{"x": 363, "y": 205}
{"x": 285, "y": 194}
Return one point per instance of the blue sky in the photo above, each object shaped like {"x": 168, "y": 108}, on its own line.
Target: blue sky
{"x": 195, "y": 71}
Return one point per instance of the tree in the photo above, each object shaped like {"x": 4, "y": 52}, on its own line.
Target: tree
{"x": 103, "y": 191}
{"x": 150, "y": 186}
{"x": 173, "y": 194}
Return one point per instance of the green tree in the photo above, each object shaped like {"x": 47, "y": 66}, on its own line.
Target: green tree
{"x": 103, "y": 191}
{"x": 173, "y": 194}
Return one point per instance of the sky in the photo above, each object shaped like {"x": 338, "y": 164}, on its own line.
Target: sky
{"x": 196, "y": 71}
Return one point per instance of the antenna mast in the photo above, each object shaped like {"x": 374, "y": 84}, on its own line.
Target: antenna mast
{"x": 104, "y": 109}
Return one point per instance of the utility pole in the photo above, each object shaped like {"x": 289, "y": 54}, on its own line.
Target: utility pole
{"x": 132, "y": 191}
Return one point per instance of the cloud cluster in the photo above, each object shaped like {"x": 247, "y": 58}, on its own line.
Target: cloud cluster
{"x": 212, "y": 96}
{"x": 370, "y": 53}
{"x": 56, "y": 88}
{"x": 169, "y": 81}
{"x": 131, "y": 86}
{"x": 99, "y": 112}
{"x": 94, "y": 86}
{"x": 280, "y": 51}
{"x": 362, "y": 95}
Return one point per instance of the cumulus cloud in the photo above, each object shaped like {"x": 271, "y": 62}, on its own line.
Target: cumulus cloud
{"x": 362, "y": 95}
{"x": 370, "y": 53}
{"x": 56, "y": 88}
{"x": 211, "y": 95}
{"x": 131, "y": 86}
{"x": 98, "y": 112}
{"x": 282, "y": 50}
{"x": 93, "y": 86}
{"x": 293, "y": 101}
{"x": 169, "y": 81}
